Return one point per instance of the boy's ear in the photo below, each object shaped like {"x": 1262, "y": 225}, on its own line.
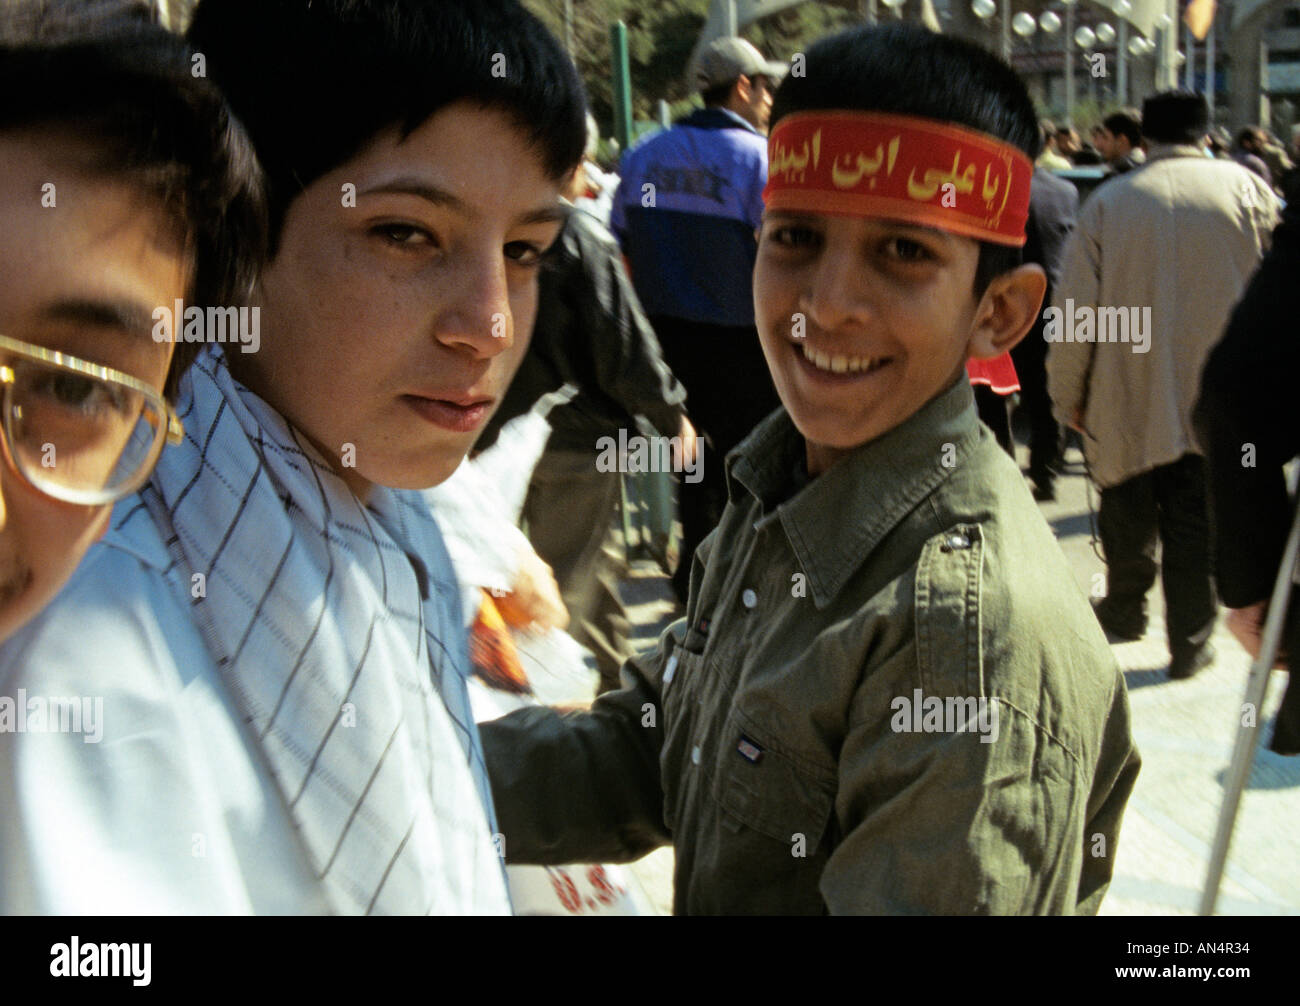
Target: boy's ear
{"x": 1007, "y": 310}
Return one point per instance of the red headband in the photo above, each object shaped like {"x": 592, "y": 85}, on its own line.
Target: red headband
{"x": 870, "y": 164}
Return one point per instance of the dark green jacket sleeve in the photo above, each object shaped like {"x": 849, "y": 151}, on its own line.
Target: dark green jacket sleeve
{"x": 1112, "y": 785}
{"x": 584, "y": 787}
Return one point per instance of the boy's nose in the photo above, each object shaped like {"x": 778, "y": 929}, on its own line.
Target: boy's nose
{"x": 478, "y": 316}
{"x": 835, "y": 295}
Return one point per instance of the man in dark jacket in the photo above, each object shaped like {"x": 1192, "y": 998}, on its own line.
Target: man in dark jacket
{"x": 686, "y": 213}
{"x": 1053, "y": 204}
{"x": 591, "y": 333}
{"x": 1119, "y": 139}
{"x": 1246, "y": 420}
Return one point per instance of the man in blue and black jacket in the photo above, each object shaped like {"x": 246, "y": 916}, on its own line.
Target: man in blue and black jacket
{"x": 686, "y": 214}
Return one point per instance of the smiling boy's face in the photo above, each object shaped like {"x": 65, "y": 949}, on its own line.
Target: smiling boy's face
{"x": 396, "y": 324}
{"x": 887, "y": 316}
{"x": 864, "y": 320}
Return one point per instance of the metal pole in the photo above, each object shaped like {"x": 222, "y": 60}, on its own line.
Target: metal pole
{"x": 1209, "y": 71}
{"x": 622, "y": 85}
{"x": 1121, "y": 57}
{"x": 1171, "y": 46}
{"x": 568, "y": 26}
{"x": 867, "y": 8}
{"x": 1067, "y": 63}
{"x": 664, "y": 113}
{"x": 1189, "y": 64}
{"x": 730, "y": 20}
{"x": 1006, "y": 30}
{"x": 1243, "y": 752}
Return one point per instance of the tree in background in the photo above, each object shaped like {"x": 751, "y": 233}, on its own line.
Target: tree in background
{"x": 660, "y": 37}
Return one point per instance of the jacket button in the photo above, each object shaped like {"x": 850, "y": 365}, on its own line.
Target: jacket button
{"x": 695, "y": 755}
{"x": 749, "y": 599}
{"x": 956, "y": 541}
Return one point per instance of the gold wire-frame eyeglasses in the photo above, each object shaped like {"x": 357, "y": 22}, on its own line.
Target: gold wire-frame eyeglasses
{"x": 29, "y": 375}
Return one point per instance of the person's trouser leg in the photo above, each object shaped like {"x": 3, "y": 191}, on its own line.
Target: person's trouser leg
{"x": 600, "y": 618}
{"x": 570, "y": 513}
{"x": 728, "y": 391}
{"x": 1029, "y": 356}
{"x": 1191, "y": 603}
{"x": 994, "y": 413}
{"x": 1128, "y": 523}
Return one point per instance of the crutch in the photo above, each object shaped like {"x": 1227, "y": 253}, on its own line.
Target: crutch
{"x": 1243, "y": 753}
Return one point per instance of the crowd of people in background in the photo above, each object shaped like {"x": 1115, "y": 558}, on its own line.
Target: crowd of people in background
{"x": 278, "y": 625}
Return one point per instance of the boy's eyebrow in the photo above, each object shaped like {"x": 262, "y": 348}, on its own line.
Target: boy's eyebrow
{"x": 800, "y": 215}
{"x": 114, "y": 314}
{"x": 555, "y": 212}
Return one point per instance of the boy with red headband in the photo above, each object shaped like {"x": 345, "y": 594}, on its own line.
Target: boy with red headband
{"x": 888, "y": 695}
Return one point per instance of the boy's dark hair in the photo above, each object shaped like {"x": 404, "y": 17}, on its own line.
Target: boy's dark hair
{"x": 105, "y": 74}
{"x": 717, "y": 95}
{"x": 314, "y": 81}
{"x": 1250, "y": 138}
{"x": 908, "y": 70}
{"x": 1125, "y": 124}
{"x": 1175, "y": 117}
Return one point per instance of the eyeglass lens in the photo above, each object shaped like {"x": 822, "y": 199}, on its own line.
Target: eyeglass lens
{"x": 77, "y": 432}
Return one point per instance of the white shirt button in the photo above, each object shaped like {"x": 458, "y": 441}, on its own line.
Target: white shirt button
{"x": 671, "y": 669}
{"x": 749, "y": 599}
{"x": 695, "y": 755}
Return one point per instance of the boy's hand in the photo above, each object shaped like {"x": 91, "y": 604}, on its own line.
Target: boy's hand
{"x": 1247, "y": 624}
{"x": 685, "y": 457}
{"x": 1076, "y": 421}
{"x": 534, "y": 600}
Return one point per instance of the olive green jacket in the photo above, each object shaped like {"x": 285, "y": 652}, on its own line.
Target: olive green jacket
{"x": 888, "y": 695}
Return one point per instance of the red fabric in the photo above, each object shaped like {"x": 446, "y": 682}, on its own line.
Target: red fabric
{"x": 900, "y": 167}
{"x": 998, "y": 373}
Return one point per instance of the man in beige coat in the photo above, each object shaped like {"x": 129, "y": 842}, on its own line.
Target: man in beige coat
{"x": 1156, "y": 263}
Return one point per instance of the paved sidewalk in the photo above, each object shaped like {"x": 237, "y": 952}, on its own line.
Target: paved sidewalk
{"x": 1185, "y": 731}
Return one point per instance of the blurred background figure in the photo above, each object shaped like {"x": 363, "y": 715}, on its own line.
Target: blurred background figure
{"x": 1246, "y": 421}
{"x": 687, "y": 209}
{"x": 1051, "y": 158}
{"x": 1246, "y": 152}
{"x": 1177, "y": 240}
{"x": 1118, "y": 139}
{"x": 593, "y": 187}
{"x": 1053, "y": 205}
{"x": 592, "y": 334}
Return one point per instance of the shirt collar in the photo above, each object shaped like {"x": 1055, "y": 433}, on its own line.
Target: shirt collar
{"x": 1160, "y": 151}
{"x": 836, "y": 520}
{"x": 716, "y": 117}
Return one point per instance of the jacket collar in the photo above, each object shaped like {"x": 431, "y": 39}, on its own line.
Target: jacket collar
{"x": 1161, "y": 151}
{"x": 836, "y": 520}
{"x": 717, "y": 118}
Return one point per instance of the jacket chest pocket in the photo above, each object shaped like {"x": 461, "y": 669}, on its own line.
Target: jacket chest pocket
{"x": 762, "y": 828}
{"x": 759, "y": 788}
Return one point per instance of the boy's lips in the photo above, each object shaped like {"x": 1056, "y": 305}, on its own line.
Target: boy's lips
{"x": 837, "y": 368}
{"x": 459, "y": 412}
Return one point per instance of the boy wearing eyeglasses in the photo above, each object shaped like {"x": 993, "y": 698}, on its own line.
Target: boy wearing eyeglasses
{"x": 273, "y": 619}
{"x": 126, "y": 186}
{"x": 888, "y": 695}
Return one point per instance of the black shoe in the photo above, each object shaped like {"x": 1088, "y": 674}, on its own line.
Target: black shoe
{"x": 1185, "y": 665}
{"x": 1044, "y": 492}
{"x": 1125, "y": 630}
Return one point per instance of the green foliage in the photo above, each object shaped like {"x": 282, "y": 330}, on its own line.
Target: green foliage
{"x": 661, "y": 35}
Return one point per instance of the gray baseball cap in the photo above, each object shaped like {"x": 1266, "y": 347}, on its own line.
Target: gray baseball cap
{"x": 725, "y": 59}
